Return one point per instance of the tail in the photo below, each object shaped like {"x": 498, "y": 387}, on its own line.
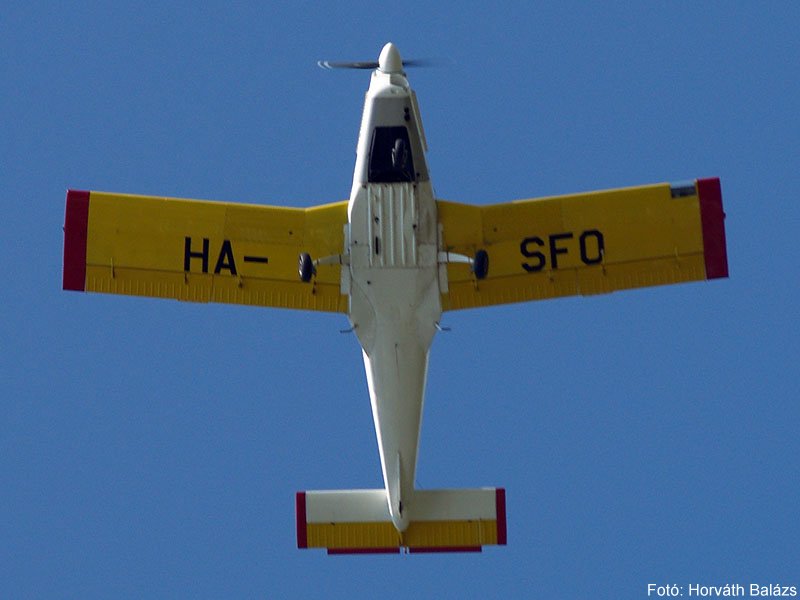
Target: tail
{"x": 358, "y": 521}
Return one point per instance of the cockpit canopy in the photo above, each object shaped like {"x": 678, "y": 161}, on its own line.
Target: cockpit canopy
{"x": 390, "y": 156}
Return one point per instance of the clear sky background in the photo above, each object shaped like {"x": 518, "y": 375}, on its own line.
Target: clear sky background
{"x": 152, "y": 449}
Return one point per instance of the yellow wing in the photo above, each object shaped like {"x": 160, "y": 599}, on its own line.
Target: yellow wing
{"x": 202, "y": 251}
{"x": 589, "y": 243}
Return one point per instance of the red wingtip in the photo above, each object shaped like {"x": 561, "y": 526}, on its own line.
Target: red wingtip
{"x": 76, "y": 224}
{"x": 712, "y": 219}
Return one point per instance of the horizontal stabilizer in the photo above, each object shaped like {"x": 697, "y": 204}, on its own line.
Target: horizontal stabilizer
{"x": 358, "y": 521}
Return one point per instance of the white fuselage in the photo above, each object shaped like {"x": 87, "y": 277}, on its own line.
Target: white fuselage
{"x": 393, "y": 276}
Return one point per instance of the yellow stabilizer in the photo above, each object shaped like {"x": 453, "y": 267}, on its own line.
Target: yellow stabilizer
{"x": 358, "y": 521}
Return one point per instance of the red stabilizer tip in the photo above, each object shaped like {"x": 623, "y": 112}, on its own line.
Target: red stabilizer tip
{"x": 500, "y": 511}
{"x": 302, "y": 531}
{"x": 76, "y": 224}
{"x": 712, "y": 219}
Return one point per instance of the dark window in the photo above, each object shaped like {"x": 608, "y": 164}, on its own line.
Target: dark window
{"x": 390, "y": 159}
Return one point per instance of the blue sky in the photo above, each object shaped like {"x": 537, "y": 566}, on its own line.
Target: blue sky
{"x": 152, "y": 448}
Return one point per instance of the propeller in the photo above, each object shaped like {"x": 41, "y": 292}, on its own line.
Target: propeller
{"x": 388, "y": 62}
{"x": 373, "y": 64}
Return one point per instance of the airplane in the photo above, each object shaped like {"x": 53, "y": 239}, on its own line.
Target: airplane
{"x": 393, "y": 258}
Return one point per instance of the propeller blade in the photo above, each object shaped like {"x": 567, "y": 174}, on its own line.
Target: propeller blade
{"x": 329, "y": 64}
{"x": 420, "y": 62}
